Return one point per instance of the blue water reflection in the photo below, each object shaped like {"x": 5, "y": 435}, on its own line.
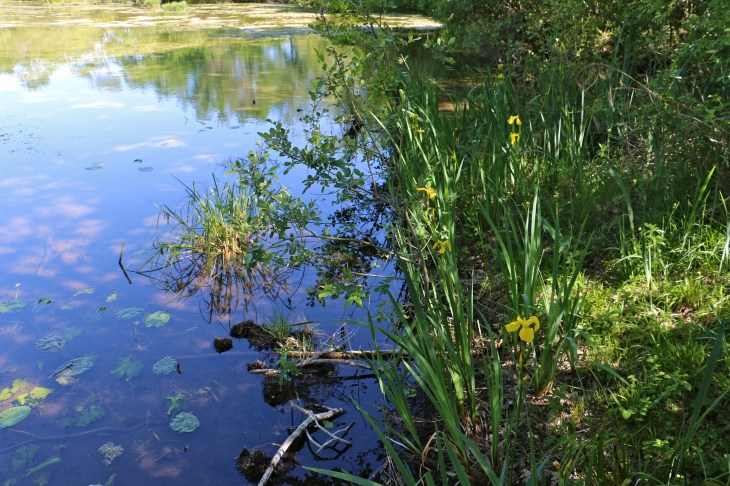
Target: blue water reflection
{"x": 77, "y": 127}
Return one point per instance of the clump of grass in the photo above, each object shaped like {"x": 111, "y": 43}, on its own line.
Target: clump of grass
{"x": 278, "y": 326}
{"x": 174, "y": 6}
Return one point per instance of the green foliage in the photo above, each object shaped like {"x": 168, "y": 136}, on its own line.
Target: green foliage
{"x": 127, "y": 367}
{"x": 174, "y": 7}
{"x": 174, "y": 402}
{"x": 287, "y": 368}
{"x": 82, "y": 417}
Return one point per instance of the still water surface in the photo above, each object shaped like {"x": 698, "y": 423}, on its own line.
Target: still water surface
{"x": 104, "y": 114}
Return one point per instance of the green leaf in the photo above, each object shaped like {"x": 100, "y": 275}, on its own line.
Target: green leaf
{"x": 9, "y": 306}
{"x": 128, "y": 367}
{"x": 174, "y": 402}
{"x": 157, "y": 319}
{"x": 164, "y": 366}
{"x": 129, "y": 312}
{"x": 42, "y": 302}
{"x": 12, "y": 416}
{"x": 184, "y": 422}
{"x": 23, "y": 455}
{"x": 327, "y": 424}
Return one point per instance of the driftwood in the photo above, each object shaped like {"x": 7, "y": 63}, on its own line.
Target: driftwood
{"x": 345, "y": 354}
{"x": 312, "y": 419}
{"x": 352, "y": 355}
{"x": 312, "y": 362}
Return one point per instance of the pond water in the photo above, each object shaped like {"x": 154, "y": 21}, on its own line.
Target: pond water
{"x": 105, "y": 112}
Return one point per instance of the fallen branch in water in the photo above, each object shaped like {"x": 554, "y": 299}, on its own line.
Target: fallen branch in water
{"x": 352, "y": 355}
{"x": 309, "y": 421}
{"x": 314, "y": 362}
{"x": 345, "y": 354}
{"x": 333, "y": 435}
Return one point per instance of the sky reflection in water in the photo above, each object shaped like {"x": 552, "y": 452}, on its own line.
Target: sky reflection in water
{"x": 77, "y": 125}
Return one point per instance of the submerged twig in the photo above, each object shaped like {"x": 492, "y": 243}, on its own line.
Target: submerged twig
{"x": 311, "y": 419}
{"x": 60, "y": 437}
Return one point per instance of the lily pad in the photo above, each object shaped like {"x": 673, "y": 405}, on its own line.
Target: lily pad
{"x": 164, "y": 366}
{"x": 145, "y": 169}
{"x": 74, "y": 367}
{"x": 185, "y": 422}
{"x": 129, "y": 312}
{"x": 54, "y": 342}
{"x": 97, "y": 166}
{"x": 72, "y": 332}
{"x": 42, "y": 302}
{"x": 14, "y": 415}
{"x": 157, "y": 319}
{"x": 9, "y": 306}
{"x": 128, "y": 367}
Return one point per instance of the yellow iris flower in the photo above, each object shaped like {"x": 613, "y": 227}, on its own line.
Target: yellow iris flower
{"x": 442, "y": 246}
{"x": 514, "y": 138}
{"x": 514, "y": 119}
{"x": 429, "y": 191}
{"x": 527, "y": 328}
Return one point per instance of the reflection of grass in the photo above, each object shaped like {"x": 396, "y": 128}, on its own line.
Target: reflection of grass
{"x": 174, "y": 6}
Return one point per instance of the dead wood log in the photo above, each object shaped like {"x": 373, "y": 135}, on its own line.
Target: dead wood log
{"x": 310, "y": 420}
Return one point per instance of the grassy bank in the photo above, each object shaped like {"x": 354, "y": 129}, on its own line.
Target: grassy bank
{"x": 564, "y": 237}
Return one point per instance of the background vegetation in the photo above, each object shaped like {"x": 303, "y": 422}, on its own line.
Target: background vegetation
{"x": 581, "y": 180}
